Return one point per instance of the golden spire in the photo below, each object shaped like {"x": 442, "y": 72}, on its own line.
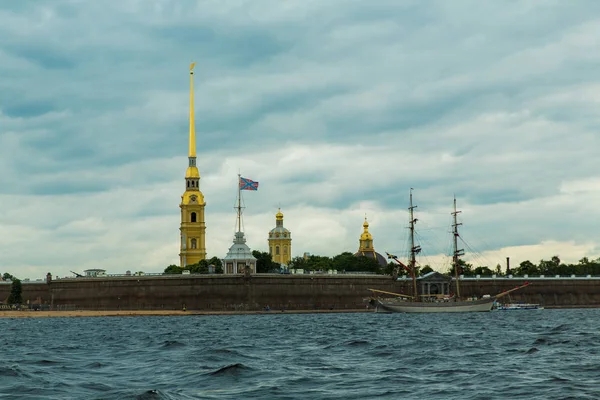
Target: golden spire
{"x": 192, "y": 127}
{"x": 192, "y": 171}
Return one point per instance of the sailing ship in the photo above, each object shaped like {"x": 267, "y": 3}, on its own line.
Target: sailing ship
{"x": 427, "y": 303}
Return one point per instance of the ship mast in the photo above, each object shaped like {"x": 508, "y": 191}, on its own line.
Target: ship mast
{"x": 239, "y": 205}
{"x": 457, "y": 252}
{"x": 414, "y": 250}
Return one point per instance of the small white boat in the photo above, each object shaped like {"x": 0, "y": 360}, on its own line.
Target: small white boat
{"x": 518, "y": 306}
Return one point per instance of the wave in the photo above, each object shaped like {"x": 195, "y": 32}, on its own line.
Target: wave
{"x": 12, "y": 371}
{"x": 172, "y": 344}
{"x": 303, "y": 357}
{"x": 232, "y": 369}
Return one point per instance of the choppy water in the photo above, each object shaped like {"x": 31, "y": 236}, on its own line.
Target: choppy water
{"x": 549, "y": 354}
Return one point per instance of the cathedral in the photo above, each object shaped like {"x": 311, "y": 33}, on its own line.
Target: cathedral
{"x": 193, "y": 227}
{"x": 239, "y": 258}
{"x": 365, "y": 246}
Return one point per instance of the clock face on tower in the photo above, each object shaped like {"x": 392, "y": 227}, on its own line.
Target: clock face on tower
{"x": 193, "y": 198}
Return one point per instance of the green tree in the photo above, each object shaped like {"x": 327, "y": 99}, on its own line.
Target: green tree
{"x": 16, "y": 291}
{"x": 426, "y": 269}
{"x": 319, "y": 263}
{"x": 201, "y": 267}
{"x": 548, "y": 267}
{"x": 216, "y": 261}
{"x": 297, "y": 263}
{"x": 367, "y": 264}
{"x": 173, "y": 269}
{"x": 464, "y": 268}
{"x": 391, "y": 267}
{"x": 345, "y": 262}
{"x": 526, "y": 268}
{"x": 499, "y": 270}
{"x": 7, "y": 277}
{"x": 483, "y": 271}
{"x": 264, "y": 262}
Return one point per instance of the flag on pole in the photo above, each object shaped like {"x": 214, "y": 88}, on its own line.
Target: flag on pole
{"x": 248, "y": 184}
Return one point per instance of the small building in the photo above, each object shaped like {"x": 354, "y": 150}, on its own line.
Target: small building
{"x": 434, "y": 284}
{"x": 239, "y": 256}
{"x": 94, "y": 273}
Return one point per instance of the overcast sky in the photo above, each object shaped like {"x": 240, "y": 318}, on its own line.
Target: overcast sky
{"x": 337, "y": 108}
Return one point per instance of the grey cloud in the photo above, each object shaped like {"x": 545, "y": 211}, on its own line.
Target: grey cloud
{"x": 327, "y": 103}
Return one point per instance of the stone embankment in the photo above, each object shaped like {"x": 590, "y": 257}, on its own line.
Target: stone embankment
{"x": 238, "y": 293}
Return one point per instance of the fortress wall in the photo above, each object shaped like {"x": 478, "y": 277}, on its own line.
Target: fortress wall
{"x": 548, "y": 292}
{"x": 212, "y": 292}
{"x": 37, "y": 292}
{"x": 305, "y": 292}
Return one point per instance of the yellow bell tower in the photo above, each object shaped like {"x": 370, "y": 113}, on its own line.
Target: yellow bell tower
{"x": 280, "y": 241}
{"x": 365, "y": 244}
{"x": 193, "y": 227}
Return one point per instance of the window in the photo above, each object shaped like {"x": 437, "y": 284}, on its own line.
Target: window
{"x": 193, "y": 244}
{"x": 276, "y": 250}
{"x": 285, "y": 250}
{"x": 193, "y": 217}
{"x": 271, "y": 250}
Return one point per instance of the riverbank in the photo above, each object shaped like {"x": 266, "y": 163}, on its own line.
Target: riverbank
{"x": 146, "y": 313}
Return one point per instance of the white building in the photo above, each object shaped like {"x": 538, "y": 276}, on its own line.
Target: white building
{"x": 239, "y": 256}
{"x": 93, "y": 273}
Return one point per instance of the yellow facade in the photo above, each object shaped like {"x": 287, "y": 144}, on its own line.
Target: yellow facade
{"x": 193, "y": 226}
{"x": 365, "y": 244}
{"x": 280, "y": 242}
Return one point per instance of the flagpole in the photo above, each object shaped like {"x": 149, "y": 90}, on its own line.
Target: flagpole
{"x": 239, "y": 203}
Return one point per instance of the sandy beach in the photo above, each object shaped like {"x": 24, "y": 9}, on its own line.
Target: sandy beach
{"x": 136, "y": 313}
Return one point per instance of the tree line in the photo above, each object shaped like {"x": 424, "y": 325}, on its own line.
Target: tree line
{"x": 348, "y": 262}
{"x": 345, "y": 261}
{"x": 264, "y": 264}
{"x": 551, "y": 267}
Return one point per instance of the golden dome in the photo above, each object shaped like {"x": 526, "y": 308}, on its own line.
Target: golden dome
{"x": 366, "y": 235}
{"x": 192, "y": 172}
{"x": 279, "y": 215}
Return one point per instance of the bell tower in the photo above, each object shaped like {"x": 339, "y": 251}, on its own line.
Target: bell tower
{"x": 280, "y": 241}
{"x": 193, "y": 227}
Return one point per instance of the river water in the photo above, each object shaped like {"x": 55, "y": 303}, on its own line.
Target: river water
{"x": 539, "y": 354}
